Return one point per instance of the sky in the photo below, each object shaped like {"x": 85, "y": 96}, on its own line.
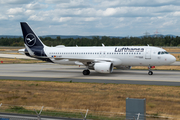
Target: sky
{"x": 91, "y": 17}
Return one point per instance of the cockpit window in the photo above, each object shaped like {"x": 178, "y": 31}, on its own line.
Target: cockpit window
{"x": 162, "y": 52}
{"x": 166, "y": 52}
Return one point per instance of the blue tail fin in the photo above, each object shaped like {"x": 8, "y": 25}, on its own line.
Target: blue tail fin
{"x": 30, "y": 38}
{"x": 34, "y": 46}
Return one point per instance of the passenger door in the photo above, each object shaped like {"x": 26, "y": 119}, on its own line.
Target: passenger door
{"x": 148, "y": 53}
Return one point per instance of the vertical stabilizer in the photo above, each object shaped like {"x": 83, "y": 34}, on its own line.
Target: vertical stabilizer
{"x": 34, "y": 46}
{"x": 30, "y": 38}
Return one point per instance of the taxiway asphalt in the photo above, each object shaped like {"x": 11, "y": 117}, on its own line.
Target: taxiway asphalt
{"x": 66, "y": 73}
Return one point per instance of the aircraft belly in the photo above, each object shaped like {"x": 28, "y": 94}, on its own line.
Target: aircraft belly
{"x": 132, "y": 61}
{"x": 140, "y": 62}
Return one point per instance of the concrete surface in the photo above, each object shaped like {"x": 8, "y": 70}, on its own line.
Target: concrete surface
{"x": 54, "y": 72}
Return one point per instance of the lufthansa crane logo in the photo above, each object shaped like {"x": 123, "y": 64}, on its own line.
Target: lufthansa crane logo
{"x": 30, "y": 39}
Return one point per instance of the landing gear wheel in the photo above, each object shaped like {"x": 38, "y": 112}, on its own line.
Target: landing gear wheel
{"x": 150, "y": 73}
{"x": 86, "y": 72}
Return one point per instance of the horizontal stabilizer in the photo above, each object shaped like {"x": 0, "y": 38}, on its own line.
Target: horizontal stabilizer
{"x": 29, "y": 51}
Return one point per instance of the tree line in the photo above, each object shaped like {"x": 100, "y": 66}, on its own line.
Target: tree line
{"x": 97, "y": 41}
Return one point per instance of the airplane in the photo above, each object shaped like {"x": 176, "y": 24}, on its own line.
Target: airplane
{"x": 102, "y": 59}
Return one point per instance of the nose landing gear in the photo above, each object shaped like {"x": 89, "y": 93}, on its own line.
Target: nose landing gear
{"x": 150, "y": 71}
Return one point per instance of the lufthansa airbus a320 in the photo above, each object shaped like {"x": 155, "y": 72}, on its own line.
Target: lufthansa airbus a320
{"x": 101, "y": 59}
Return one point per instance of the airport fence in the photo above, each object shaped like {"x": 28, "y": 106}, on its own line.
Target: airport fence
{"x": 85, "y": 114}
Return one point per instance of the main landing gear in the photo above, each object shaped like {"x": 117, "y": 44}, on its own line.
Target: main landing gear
{"x": 150, "y": 71}
{"x": 86, "y": 72}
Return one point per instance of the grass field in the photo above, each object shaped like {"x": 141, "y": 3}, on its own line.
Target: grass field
{"x": 157, "y": 67}
{"x": 59, "y": 96}
{"x": 172, "y": 49}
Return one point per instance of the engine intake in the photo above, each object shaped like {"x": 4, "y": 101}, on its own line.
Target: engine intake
{"x": 103, "y": 67}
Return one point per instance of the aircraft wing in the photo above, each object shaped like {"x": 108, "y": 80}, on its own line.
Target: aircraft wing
{"x": 94, "y": 60}
{"x": 83, "y": 59}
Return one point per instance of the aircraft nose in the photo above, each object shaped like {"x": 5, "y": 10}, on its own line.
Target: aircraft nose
{"x": 172, "y": 59}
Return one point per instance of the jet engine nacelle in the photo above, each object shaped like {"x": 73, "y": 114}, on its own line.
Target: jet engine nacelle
{"x": 21, "y": 51}
{"x": 123, "y": 67}
{"x": 103, "y": 67}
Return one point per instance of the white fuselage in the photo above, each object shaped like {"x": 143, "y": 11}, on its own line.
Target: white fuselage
{"x": 118, "y": 55}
